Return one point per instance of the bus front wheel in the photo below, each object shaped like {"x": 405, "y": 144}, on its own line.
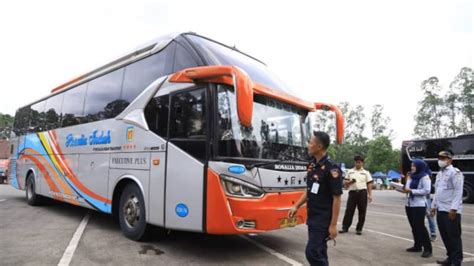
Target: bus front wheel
{"x": 132, "y": 214}
{"x": 32, "y": 198}
{"x": 468, "y": 193}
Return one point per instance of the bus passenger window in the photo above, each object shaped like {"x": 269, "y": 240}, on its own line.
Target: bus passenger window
{"x": 156, "y": 115}
{"x": 142, "y": 73}
{"x": 182, "y": 59}
{"x": 37, "y": 117}
{"x": 22, "y": 121}
{"x": 53, "y": 112}
{"x": 73, "y": 106}
{"x": 103, "y": 97}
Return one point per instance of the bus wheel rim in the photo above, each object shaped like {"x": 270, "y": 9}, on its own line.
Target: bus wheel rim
{"x": 29, "y": 188}
{"x": 131, "y": 210}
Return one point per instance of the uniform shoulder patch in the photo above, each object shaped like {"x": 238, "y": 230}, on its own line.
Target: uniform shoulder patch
{"x": 457, "y": 170}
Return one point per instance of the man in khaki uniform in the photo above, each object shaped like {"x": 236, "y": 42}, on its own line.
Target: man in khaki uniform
{"x": 358, "y": 180}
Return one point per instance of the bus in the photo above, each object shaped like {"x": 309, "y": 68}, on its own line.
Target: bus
{"x": 427, "y": 149}
{"x": 184, "y": 133}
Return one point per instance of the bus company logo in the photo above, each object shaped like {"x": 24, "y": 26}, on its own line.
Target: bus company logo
{"x": 95, "y": 138}
{"x": 130, "y": 134}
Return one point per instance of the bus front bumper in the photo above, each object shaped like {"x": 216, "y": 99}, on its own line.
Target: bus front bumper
{"x": 231, "y": 215}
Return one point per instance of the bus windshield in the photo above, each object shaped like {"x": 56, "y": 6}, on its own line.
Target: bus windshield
{"x": 279, "y": 130}
{"x": 218, "y": 54}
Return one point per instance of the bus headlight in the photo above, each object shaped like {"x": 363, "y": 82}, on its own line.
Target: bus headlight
{"x": 238, "y": 188}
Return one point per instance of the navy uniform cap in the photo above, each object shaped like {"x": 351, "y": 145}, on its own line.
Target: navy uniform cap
{"x": 445, "y": 154}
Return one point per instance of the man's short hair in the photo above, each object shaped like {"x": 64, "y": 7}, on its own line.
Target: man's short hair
{"x": 359, "y": 158}
{"x": 323, "y": 138}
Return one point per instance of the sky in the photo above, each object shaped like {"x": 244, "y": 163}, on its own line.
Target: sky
{"x": 362, "y": 52}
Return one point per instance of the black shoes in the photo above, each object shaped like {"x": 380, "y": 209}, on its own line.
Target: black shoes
{"x": 443, "y": 262}
{"x": 427, "y": 254}
{"x": 359, "y": 232}
{"x": 343, "y": 231}
{"x": 413, "y": 249}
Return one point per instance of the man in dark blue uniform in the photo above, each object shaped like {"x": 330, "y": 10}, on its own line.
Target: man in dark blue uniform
{"x": 322, "y": 197}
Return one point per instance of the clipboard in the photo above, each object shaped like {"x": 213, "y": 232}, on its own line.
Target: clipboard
{"x": 397, "y": 186}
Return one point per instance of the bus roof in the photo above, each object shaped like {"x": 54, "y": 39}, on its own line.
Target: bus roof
{"x": 468, "y": 135}
{"x": 141, "y": 51}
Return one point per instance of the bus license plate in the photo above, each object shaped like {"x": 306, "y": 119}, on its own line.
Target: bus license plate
{"x": 288, "y": 222}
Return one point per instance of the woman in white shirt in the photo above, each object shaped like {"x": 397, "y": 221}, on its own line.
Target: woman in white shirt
{"x": 417, "y": 187}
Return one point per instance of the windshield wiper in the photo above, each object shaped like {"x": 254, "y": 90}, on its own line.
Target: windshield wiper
{"x": 251, "y": 166}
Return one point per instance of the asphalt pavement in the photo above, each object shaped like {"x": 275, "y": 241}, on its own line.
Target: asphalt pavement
{"x": 57, "y": 232}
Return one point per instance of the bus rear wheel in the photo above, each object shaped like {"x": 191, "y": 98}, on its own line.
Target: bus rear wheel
{"x": 32, "y": 198}
{"x": 132, "y": 216}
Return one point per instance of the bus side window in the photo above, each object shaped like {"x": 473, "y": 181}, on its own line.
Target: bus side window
{"x": 53, "y": 112}
{"x": 182, "y": 59}
{"x": 103, "y": 97}
{"x": 73, "y": 106}
{"x": 22, "y": 121}
{"x": 188, "y": 122}
{"x": 142, "y": 73}
{"x": 37, "y": 117}
{"x": 156, "y": 115}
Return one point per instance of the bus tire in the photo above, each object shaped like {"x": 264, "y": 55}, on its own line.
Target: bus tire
{"x": 132, "y": 215}
{"x": 468, "y": 193}
{"x": 32, "y": 198}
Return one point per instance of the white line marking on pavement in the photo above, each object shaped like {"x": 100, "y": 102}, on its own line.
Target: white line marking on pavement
{"x": 404, "y": 216}
{"x": 271, "y": 251}
{"x": 409, "y": 240}
{"x": 69, "y": 252}
{"x": 1, "y": 200}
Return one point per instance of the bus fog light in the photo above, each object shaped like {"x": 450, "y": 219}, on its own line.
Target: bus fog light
{"x": 245, "y": 224}
{"x": 240, "y": 223}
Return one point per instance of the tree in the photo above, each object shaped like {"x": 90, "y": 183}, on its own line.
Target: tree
{"x": 355, "y": 126}
{"x": 379, "y": 122}
{"x": 6, "y": 124}
{"x": 451, "y": 111}
{"x": 463, "y": 86}
{"x": 381, "y": 156}
{"x": 428, "y": 119}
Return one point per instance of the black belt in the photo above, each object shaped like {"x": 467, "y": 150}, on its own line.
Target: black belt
{"x": 358, "y": 190}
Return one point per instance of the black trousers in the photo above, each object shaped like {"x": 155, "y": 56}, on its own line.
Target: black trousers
{"x": 317, "y": 248}
{"x": 416, "y": 218}
{"x": 356, "y": 199}
{"x": 450, "y": 232}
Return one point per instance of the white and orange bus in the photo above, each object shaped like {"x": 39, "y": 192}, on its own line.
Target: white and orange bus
{"x": 184, "y": 133}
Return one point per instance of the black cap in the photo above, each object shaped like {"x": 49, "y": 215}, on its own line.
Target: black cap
{"x": 359, "y": 158}
{"x": 445, "y": 154}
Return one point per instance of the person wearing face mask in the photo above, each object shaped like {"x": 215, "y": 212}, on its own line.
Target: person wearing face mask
{"x": 417, "y": 187}
{"x": 447, "y": 205}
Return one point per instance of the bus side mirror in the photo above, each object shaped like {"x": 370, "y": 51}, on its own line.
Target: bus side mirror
{"x": 229, "y": 75}
{"x": 339, "y": 118}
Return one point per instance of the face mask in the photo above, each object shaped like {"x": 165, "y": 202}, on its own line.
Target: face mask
{"x": 442, "y": 164}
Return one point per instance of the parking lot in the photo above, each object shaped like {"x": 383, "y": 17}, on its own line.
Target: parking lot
{"x": 46, "y": 235}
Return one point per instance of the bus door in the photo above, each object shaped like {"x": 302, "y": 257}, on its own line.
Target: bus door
{"x": 186, "y": 160}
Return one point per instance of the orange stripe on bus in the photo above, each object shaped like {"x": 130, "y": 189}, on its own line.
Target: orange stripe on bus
{"x": 62, "y": 184}
{"x": 45, "y": 174}
{"x": 73, "y": 178}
